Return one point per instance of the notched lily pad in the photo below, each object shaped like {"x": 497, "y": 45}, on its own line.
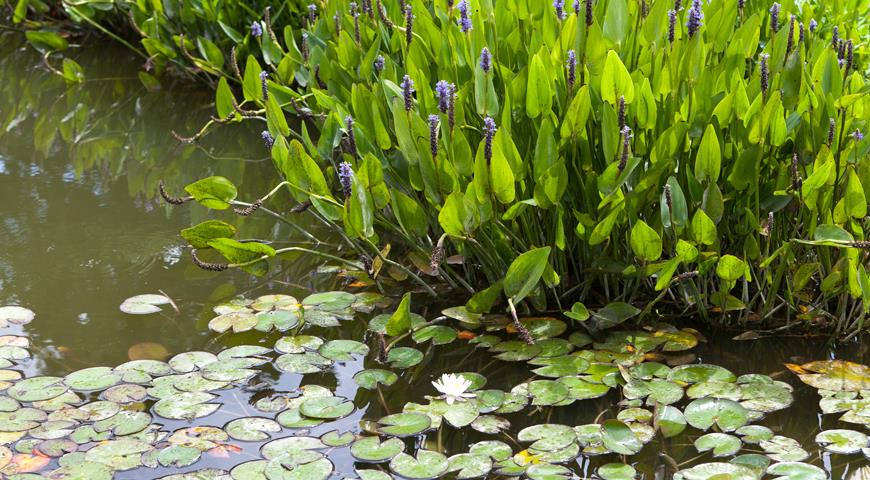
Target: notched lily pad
{"x": 15, "y": 315}
{"x": 426, "y": 465}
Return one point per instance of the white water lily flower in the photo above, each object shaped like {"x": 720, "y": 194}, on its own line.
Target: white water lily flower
{"x": 453, "y": 388}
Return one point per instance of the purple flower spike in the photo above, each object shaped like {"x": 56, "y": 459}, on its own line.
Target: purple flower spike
{"x": 345, "y": 177}
{"x": 409, "y": 24}
{"x": 312, "y": 12}
{"x": 694, "y": 16}
{"x": 442, "y": 91}
{"x": 559, "y": 6}
{"x": 672, "y": 24}
{"x": 464, "y": 16}
{"x": 351, "y": 137}
{"x": 256, "y": 29}
{"x": 379, "y": 64}
{"x": 765, "y": 74}
{"x": 264, "y": 75}
{"x": 576, "y": 7}
{"x": 268, "y": 140}
{"x": 813, "y": 25}
{"x": 857, "y": 135}
{"x": 485, "y": 60}
{"x": 489, "y": 130}
{"x": 408, "y": 92}
{"x": 433, "y": 134}
{"x": 571, "y": 65}
{"x": 774, "y": 17}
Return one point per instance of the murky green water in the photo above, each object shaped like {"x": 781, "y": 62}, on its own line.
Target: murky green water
{"x": 82, "y": 230}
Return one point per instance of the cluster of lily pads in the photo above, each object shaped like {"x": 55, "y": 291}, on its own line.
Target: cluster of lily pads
{"x": 149, "y": 414}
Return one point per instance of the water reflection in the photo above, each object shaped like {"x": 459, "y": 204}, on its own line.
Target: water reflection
{"x": 81, "y": 226}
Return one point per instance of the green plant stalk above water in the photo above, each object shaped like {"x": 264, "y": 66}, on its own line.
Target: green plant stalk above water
{"x": 720, "y": 166}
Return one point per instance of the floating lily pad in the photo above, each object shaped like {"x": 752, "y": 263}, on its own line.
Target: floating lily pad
{"x": 326, "y": 407}
{"x": 493, "y": 449}
{"x": 90, "y": 379}
{"x": 728, "y": 415}
{"x": 368, "y": 474}
{"x": 836, "y": 375}
{"x": 757, "y": 462}
{"x": 14, "y": 315}
{"x": 547, "y": 437}
{"x": 292, "y": 451}
{"x": 616, "y": 471}
{"x": 298, "y": 344}
{"x": 404, "y": 357}
{"x": 754, "y": 433}
{"x": 784, "y": 449}
{"x": 37, "y": 388}
{"x": 515, "y": 351}
{"x": 580, "y": 389}
{"x": 796, "y": 471}
{"x": 842, "y": 441}
{"x": 371, "y": 449}
{"x": 178, "y": 456}
{"x": 120, "y": 454}
{"x": 125, "y": 422}
{"x": 427, "y": 464}
{"x": 237, "y": 321}
{"x": 268, "y": 303}
{"x": 469, "y": 465}
{"x": 619, "y": 438}
{"x": 302, "y": 363}
{"x": 335, "y": 439}
{"x": 343, "y": 350}
{"x": 280, "y": 320}
{"x": 545, "y": 471}
{"x": 144, "y": 304}
{"x": 460, "y": 414}
{"x": 404, "y": 424}
{"x": 670, "y": 421}
{"x": 697, "y": 373}
{"x": 490, "y": 424}
{"x": 126, "y": 393}
{"x": 371, "y": 378}
{"x": 718, "y": 470}
{"x": 547, "y": 392}
{"x": 85, "y": 470}
{"x": 186, "y": 406}
{"x": 721, "y": 444}
{"x": 437, "y": 334}
{"x": 252, "y": 429}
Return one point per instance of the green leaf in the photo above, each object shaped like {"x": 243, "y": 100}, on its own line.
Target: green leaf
{"x": 240, "y": 253}
{"x": 46, "y": 40}
{"x": 251, "y": 85}
{"x": 539, "y": 96}
{"x": 400, "y": 321}
{"x": 703, "y": 229}
{"x": 730, "y": 268}
{"x": 618, "y": 438}
{"x": 213, "y": 192}
{"x": 199, "y": 235}
{"x": 525, "y": 272}
{"x": 645, "y": 242}
{"x": 615, "y": 80}
{"x": 708, "y": 162}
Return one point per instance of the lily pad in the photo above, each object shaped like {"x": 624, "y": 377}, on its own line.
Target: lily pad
{"x": 404, "y": 357}
{"x": 186, "y": 406}
{"x": 754, "y": 433}
{"x": 371, "y": 449}
{"x": 237, "y": 321}
{"x": 252, "y": 429}
{"x": 670, "y": 421}
{"x": 90, "y": 379}
{"x": 469, "y": 465}
{"x": 298, "y": 344}
{"x": 728, "y": 415}
{"x": 721, "y": 444}
{"x": 268, "y": 303}
{"x": 37, "y": 388}
{"x": 546, "y": 471}
{"x": 371, "y": 378}
{"x": 547, "y": 437}
{"x": 335, "y": 439}
{"x": 437, "y": 334}
{"x": 404, "y": 424}
{"x": 326, "y": 407}
{"x": 619, "y": 438}
{"x": 15, "y": 315}
{"x": 836, "y": 375}
{"x": 302, "y": 363}
{"x": 547, "y": 392}
{"x": 343, "y": 350}
{"x": 120, "y": 454}
{"x": 796, "y": 471}
{"x": 144, "y": 304}
{"x": 718, "y": 471}
{"x": 784, "y": 449}
{"x": 490, "y": 424}
{"x": 697, "y": 373}
{"x": 426, "y": 465}
{"x": 842, "y": 441}
{"x": 616, "y": 471}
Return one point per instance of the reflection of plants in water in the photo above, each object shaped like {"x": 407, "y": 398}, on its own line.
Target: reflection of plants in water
{"x": 608, "y": 403}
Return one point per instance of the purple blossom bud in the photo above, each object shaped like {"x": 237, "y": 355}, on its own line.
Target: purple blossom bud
{"x": 442, "y": 91}
{"x": 857, "y": 135}
{"x": 433, "y": 134}
{"x": 576, "y": 7}
{"x": 695, "y": 15}
{"x": 626, "y": 145}
{"x": 409, "y": 23}
{"x": 408, "y": 92}
{"x": 678, "y": 5}
{"x": 367, "y": 8}
{"x": 832, "y": 126}
{"x": 355, "y": 15}
{"x": 790, "y": 45}
{"x": 345, "y": 177}
{"x": 813, "y": 25}
{"x": 264, "y": 75}
{"x": 672, "y": 24}
{"x": 337, "y": 20}
{"x": 741, "y": 4}
{"x": 850, "y": 55}
{"x": 559, "y": 6}
{"x": 774, "y": 17}
{"x": 801, "y": 35}
{"x": 571, "y": 65}
{"x": 351, "y": 136}
{"x": 378, "y": 64}
{"x": 464, "y": 21}
{"x": 620, "y": 112}
{"x": 485, "y": 60}
{"x": 765, "y": 74}
{"x": 303, "y": 48}
{"x": 644, "y": 9}
{"x": 267, "y": 139}
{"x": 451, "y": 106}
{"x": 256, "y": 29}
{"x": 489, "y": 130}
{"x": 589, "y": 17}
{"x": 796, "y": 180}
{"x": 835, "y": 37}
{"x": 669, "y": 199}
{"x": 312, "y": 12}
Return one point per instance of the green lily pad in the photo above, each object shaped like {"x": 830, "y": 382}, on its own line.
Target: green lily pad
{"x": 253, "y": 470}
{"x": 37, "y": 388}
{"x": 437, "y": 334}
{"x": 715, "y": 389}
{"x": 515, "y": 351}
{"x": 843, "y": 441}
{"x": 237, "y": 321}
{"x": 697, "y": 373}
{"x": 783, "y": 449}
{"x": 546, "y": 471}
{"x": 280, "y": 320}
{"x": 120, "y": 454}
{"x": 616, "y": 471}
{"x": 319, "y": 469}
{"x": 21, "y": 420}
{"x": 580, "y": 389}
{"x": 670, "y": 421}
{"x": 371, "y": 449}
{"x": 125, "y": 422}
{"x": 329, "y": 301}
{"x": 796, "y": 471}
{"x": 556, "y": 367}
{"x": 335, "y": 439}
{"x": 426, "y": 465}
{"x": 186, "y": 406}
{"x": 368, "y": 474}
{"x": 302, "y": 363}
{"x": 494, "y": 449}
{"x": 14, "y": 315}
{"x": 547, "y": 392}
{"x": 252, "y": 429}
{"x": 326, "y": 407}
{"x": 722, "y": 444}
{"x": 728, "y": 415}
{"x": 469, "y": 465}
{"x": 343, "y": 350}
{"x": 90, "y": 379}
{"x": 144, "y": 304}
{"x": 292, "y": 451}
{"x": 202, "y": 474}
{"x": 372, "y": 377}
{"x": 460, "y": 414}
{"x": 404, "y": 424}
{"x": 630, "y": 415}
{"x": 836, "y": 375}
{"x": 766, "y": 397}
{"x": 126, "y": 393}
{"x": 85, "y": 470}
{"x": 404, "y": 357}
{"x": 178, "y": 456}
{"x": 268, "y": 303}
{"x": 490, "y": 424}
{"x": 293, "y": 418}
{"x": 716, "y": 471}
{"x": 757, "y": 462}
{"x": 298, "y": 344}
{"x": 547, "y": 437}
{"x": 754, "y": 433}
{"x": 619, "y": 438}
{"x": 542, "y": 328}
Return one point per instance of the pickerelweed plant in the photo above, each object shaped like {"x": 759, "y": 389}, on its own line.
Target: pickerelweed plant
{"x": 709, "y": 156}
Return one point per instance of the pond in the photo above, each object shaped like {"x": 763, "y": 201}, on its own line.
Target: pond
{"x": 84, "y": 230}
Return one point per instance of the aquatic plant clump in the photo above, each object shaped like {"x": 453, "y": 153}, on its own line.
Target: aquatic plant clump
{"x": 677, "y": 218}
